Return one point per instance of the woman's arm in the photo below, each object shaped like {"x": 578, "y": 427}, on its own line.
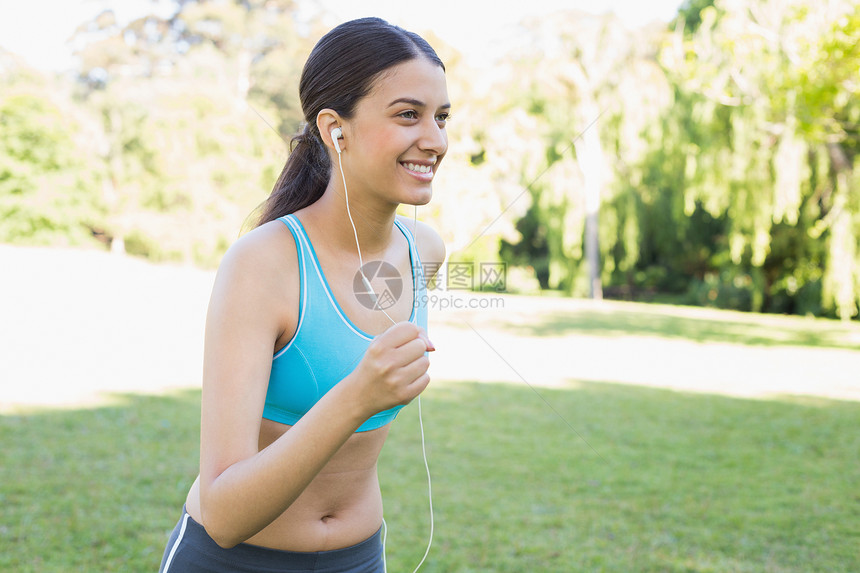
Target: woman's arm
{"x": 242, "y": 490}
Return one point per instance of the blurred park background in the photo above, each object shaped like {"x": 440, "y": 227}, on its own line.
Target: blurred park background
{"x": 707, "y": 160}
{"x": 670, "y": 380}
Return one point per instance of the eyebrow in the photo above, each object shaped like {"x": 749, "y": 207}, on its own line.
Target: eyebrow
{"x": 415, "y": 102}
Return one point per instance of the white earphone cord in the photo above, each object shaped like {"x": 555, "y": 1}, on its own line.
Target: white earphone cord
{"x": 420, "y": 417}
{"x": 364, "y": 278}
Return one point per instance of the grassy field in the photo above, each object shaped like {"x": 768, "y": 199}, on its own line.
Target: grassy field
{"x": 562, "y": 437}
{"x": 676, "y": 482}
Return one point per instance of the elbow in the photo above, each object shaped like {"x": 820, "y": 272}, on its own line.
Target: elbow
{"x": 221, "y": 529}
{"x": 222, "y": 536}
{"x": 225, "y": 542}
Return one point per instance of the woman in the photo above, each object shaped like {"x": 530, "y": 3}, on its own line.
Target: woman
{"x": 301, "y": 376}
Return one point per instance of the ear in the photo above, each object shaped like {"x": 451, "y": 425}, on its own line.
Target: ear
{"x": 327, "y": 120}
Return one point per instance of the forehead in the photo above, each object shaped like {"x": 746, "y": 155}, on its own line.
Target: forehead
{"x": 418, "y": 79}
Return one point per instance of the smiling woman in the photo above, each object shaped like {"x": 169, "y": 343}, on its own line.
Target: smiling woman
{"x": 397, "y": 135}
{"x": 302, "y": 378}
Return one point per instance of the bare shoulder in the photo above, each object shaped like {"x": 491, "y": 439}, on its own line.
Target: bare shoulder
{"x": 266, "y": 250}
{"x": 261, "y": 263}
{"x": 431, "y": 247}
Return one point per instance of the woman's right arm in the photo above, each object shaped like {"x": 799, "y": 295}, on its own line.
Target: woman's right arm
{"x": 242, "y": 489}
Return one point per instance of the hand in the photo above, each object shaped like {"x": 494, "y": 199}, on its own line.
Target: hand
{"x": 393, "y": 370}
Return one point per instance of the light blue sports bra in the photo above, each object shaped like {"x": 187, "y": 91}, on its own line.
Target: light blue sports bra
{"x": 327, "y": 346}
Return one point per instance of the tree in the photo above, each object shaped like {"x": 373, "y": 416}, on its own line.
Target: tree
{"x": 180, "y": 107}
{"x": 581, "y": 72}
{"x": 778, "y": 79}
{"x": 46, "y": 194}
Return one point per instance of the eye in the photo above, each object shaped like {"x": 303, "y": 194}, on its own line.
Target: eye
{"x": 443, "y": 117}
{"x": 410, "y": 114}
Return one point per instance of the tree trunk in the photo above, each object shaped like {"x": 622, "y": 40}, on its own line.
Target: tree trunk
{"x": 589, "y": 154}
{"x": 843, "y": 270}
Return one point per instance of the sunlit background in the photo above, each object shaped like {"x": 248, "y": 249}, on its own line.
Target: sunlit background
{"x": 478, "y": 28}
{"x": 670, "y": 188}
{"x": 700, "y": 155}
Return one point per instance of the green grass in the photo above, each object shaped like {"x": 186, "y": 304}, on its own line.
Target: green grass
{"x": 94, "y": 489}
{"x": 609, "y": 478}
{"x": 675, "y": 482}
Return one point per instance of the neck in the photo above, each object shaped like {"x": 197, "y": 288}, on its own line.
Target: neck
{"x": 373, "y": 222}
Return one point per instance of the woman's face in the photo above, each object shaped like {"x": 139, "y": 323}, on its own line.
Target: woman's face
{"x": 396, "y": 140}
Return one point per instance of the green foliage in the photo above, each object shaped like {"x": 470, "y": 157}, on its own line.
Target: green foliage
{"x": 724, "y": 157}
{"x": 782, "y": 150}
{"x": 690, "y": 15}
{"x": 532, "y": 250}
{"x": 45, "y": 194}
{"x": 740, "y": 190}
{"x": 179, "y": 112}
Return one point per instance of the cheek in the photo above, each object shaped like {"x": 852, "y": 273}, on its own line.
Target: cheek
{"x": 384, "y": 147}
{"x": 378, "y": 143}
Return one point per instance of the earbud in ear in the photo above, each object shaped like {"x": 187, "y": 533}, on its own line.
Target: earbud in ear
{"x": 336, "y": 134}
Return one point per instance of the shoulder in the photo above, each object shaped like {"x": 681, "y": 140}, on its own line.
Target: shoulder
{"x": 431, "y": 247}
{"x": 260, "y": 259}
{"x": 265, "y": 244}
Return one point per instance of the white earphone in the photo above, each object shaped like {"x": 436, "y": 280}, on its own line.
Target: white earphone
{"x": 336, "y": 134}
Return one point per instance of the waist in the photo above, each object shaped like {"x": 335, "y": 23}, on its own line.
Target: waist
{"x": 336, "y": 510}
{"x": 366, "y": 551}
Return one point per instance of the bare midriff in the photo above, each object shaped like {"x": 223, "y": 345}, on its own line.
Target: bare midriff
{"x": 342, "y": 506}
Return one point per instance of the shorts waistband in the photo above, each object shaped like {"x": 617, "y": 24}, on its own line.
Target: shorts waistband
{"x": 335, "y": 559}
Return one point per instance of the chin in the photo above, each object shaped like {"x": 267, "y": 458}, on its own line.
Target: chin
{"x": 423, "y": 200}
{"x": 418, "y": 198}
{"x": 424, "y": 196}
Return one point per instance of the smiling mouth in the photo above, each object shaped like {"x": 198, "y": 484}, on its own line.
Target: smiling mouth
{"x": 419, "y": 169}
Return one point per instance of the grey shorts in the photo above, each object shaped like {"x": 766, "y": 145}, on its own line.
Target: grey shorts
{"x": 191, "y": 550}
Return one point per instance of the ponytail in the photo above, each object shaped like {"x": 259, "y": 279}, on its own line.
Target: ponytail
{"x": 304, "y": 177}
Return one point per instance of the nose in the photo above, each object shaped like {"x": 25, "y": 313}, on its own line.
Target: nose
{"x": 434, "y": 139}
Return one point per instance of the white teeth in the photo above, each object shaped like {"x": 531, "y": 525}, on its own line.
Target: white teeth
{"x": 418, "y": 168}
